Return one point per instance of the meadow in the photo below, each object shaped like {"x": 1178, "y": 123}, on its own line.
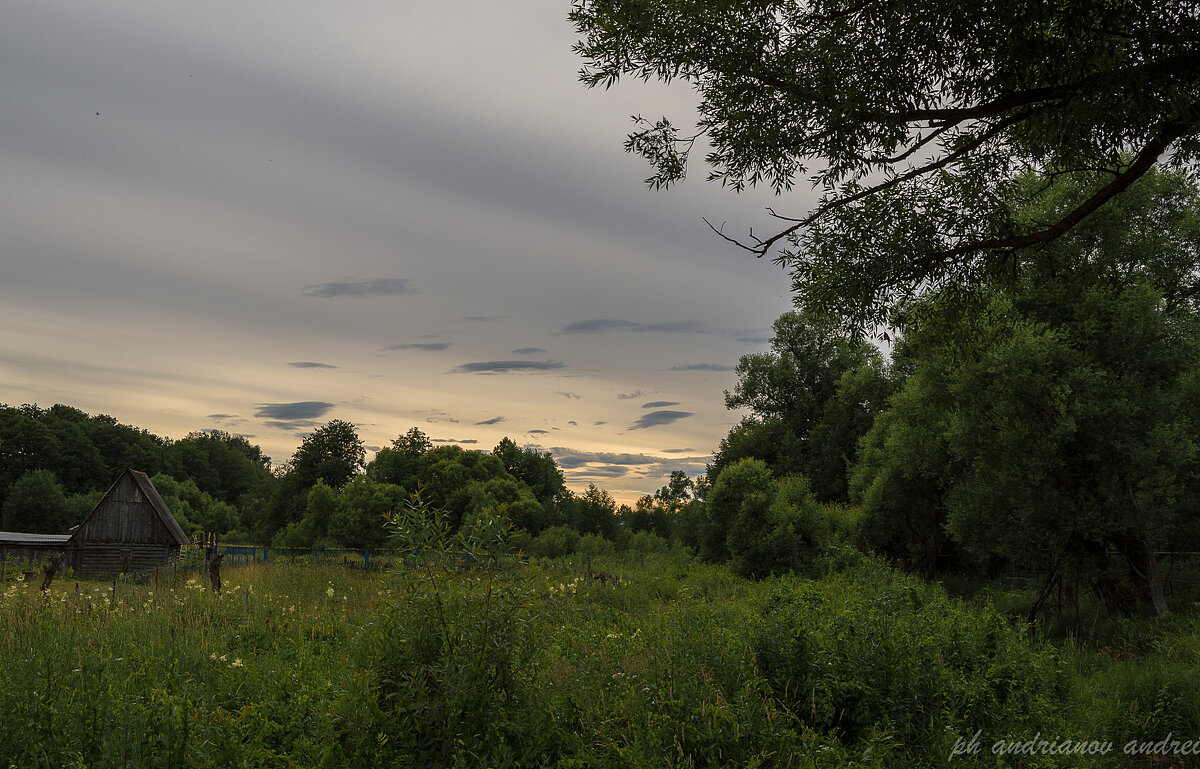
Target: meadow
{"x": 664, "y": 662}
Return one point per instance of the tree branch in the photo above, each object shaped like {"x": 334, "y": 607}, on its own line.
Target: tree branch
{"x": 1121, "y": 181}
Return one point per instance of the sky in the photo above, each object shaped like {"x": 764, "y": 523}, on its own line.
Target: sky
{"x": 258, "y": 217}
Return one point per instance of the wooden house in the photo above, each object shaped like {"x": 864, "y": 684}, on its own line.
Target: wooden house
{"x": 129, "y": 530}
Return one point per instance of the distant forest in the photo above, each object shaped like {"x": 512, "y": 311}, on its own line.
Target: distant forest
{"x": 57, "y": 462}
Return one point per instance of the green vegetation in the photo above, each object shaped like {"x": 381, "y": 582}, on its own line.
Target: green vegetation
{"x": 913, "y": 123}
{"x": 670, "y": 662}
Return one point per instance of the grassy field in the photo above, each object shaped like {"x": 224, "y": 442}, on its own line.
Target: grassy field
{"x": 666, "y": 663}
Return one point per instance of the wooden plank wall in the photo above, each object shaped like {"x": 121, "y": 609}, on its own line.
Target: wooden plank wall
{"x": 124, "y": 516}
{"x": 114, "y": 558}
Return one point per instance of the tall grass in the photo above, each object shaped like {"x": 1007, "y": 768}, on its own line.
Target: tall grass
{"x": 665, "y": 662}
{"x": 178, "y": 676}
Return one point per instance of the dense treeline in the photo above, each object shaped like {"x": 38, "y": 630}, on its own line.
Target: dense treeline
{"x": 56, "y": 463}
{"x": 1044, "y": 416}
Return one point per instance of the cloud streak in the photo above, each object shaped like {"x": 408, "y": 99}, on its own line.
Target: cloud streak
{"x": 310, "y": 364}
{"x": 360, "y": 289}
{"x": 293, "y": 411}
{"x": 702, "y": 367}
{"x": 423, "y": 346}
{"x": 608, "y": 325}
{"x": 507, "y": 366}
{"x": 659, "y": 418}
{"x": 659, "y": 404}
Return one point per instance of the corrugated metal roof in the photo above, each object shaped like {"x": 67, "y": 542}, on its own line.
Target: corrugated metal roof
{"x": 19, "y": 538}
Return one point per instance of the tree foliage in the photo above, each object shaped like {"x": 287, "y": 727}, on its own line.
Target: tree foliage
{"x": 812, "y": 396}
{"x": 913, "y": 121}
{"x": 1054, "y": 422}
{"x": 36, "y": 504}
{"x": 761, "y": 524}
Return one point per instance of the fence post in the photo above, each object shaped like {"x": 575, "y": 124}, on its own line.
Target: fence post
{"x": 317, "y": 555}
{"x": 265, "y": 549}
{"x": 366, "y": 559}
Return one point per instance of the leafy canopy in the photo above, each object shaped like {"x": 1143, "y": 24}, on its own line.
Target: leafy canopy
{"x": 912, "y": 119}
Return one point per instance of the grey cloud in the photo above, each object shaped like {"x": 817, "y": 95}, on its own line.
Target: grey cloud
{"x": 492, "y": 421}
{"x": 597, "y": 326}
{"x": 657, "y": 418}
{"x": 538, "y": 432}
{"x": 425, "y": 346}
{"x": 573, "y": 458}
{"x": 605, "y": 325}
{"x": 290, "y": 412}
{"x": 632, "y": 395}
{"x": 754, "y": 336}
{"x": 659, "y": 404}
{"x": 292, "y": 425}
{"x": 573, "y": 422}
{"x": 609, "y": 471}
{"x": 453, "y": 440}
{"x": 597, "y": 424}
{"x": 359, "y": 289}
{"x": 702, "y": 367}
{"x": 506, "y": 366}
{"x": 572, "y": 396}
{"x": 677, "y": 451}
{"x": 221, "y": 416}
{"x": 310, "y": 364}
{"x": 527, "y": 351}
{"x": 677, "y": 327}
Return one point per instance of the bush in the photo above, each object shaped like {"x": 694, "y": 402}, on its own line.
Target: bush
{"x": 595, "y": 546}
{"x": 869, "y": 653}
{"x": 456, "y": 649}
{"x": 1142, "y": 700}
{"x": 554, "y": 542}
{"x": 647, "y": 542}
{"x": 763, "y": 525}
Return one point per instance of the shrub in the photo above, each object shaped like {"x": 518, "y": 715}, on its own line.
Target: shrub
{"x": 647, "y": 542}
{"x": 456, "y": 648}
{"x": 768, "y": 526}
{"x": 1142, "y": 700}
{"x": 594, "y": 545}
{"x": 868, "y": 652}
{"x": 554, "y": 542}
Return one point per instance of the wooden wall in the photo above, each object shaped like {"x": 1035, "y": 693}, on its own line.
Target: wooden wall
{"x": 124, "y": 533}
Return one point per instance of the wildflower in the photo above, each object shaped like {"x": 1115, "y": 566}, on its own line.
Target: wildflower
{"x": 223, "y": 656}
{"x": 329, "y": 592}
{"x": 237, "y": 663}
{"x": 212, "y": 656}
{"x": 20, "y": 578}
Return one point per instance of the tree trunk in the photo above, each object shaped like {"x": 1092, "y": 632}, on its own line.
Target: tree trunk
{"x": 1043, "y": 594}
{"x": 1143, "y": 573}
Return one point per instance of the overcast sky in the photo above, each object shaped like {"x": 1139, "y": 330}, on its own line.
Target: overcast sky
{"x": 260, "y": 216}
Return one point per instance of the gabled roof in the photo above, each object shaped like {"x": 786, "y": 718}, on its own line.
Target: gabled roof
{"x": 152, "y": 496}
{"x": 160, "y": 507}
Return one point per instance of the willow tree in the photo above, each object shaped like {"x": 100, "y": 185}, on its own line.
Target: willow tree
{"x": 913, "y": 120}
